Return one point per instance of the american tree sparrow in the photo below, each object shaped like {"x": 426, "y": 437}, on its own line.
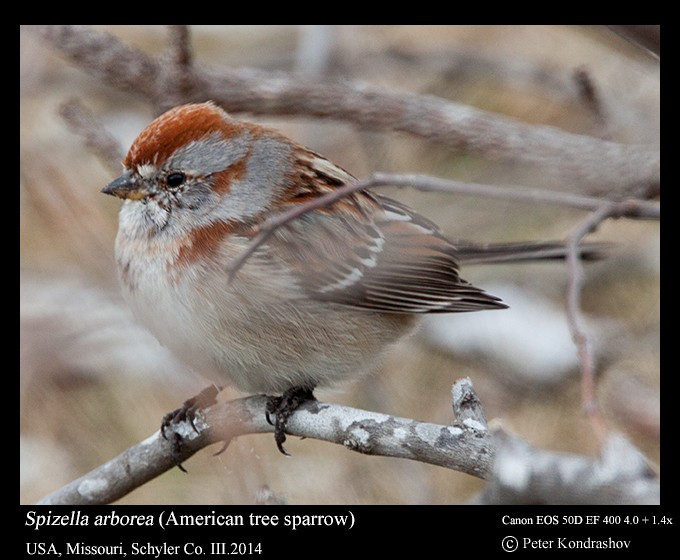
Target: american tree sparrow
{"x": 318, "y": 303}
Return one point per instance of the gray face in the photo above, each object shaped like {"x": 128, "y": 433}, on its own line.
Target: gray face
{"x": 200, "y": 183}
{"x": 209, "y": 155}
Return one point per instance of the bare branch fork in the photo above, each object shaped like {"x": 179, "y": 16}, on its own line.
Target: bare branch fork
{"x": 465, "y": 445}
{"x": 574, "y": 286}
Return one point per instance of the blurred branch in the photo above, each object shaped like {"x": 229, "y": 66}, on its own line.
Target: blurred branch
{"x": 463, "y": 446}
{"x": 175, "y": 69}
{"x": 591, "y": 163}
{"x": 180, "y": 52}
{"x": 123, "y": 67}
{"x": 574, "y": 286}
{"x": 645, "y": 36}
{"x": 82, "y": 122}
{"x": 523, "y": 474}
{"x": 589, "y": 95}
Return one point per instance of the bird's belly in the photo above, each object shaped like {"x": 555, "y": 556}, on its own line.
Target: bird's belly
{"x": 259, "y": 337}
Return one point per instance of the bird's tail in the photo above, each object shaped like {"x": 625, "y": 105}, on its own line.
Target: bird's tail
{"x": 475, "y": 253}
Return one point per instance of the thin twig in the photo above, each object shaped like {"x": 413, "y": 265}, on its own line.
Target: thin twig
{"x": 176, "y": 78}
{"x": 574, "y": 286}
{"x": 634, "y": 209}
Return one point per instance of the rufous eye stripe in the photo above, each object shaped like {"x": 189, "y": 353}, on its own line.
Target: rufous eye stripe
{"x": 225, "y": 179}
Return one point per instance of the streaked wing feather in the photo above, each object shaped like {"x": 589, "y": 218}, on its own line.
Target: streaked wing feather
{"x": 371, "y": 252}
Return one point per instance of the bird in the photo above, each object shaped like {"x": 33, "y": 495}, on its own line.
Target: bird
{"x": 319, "y": 302}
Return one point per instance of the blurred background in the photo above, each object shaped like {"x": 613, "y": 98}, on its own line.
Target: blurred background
{"x": 94, "y": 383}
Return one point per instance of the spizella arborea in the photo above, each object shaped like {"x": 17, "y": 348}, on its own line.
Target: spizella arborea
{"x": 318, "y": 303}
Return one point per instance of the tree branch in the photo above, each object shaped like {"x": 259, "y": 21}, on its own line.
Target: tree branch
{"x": 645, "y": 36}
{"x": 523, "y": 474}
{"x": 591, "y": 163}
{"x": 176, "y": 67}
{"x": 82, "y": 122}
{"x": 574, "y": 286}
{"x": 463, "y": 446}
{"x": 122, "y": 67}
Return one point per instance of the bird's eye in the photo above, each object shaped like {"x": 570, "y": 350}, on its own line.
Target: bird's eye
{"x": 175, "y": 179}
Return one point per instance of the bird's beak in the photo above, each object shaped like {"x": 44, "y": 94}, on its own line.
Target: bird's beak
{"x": 126, "y": 186}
